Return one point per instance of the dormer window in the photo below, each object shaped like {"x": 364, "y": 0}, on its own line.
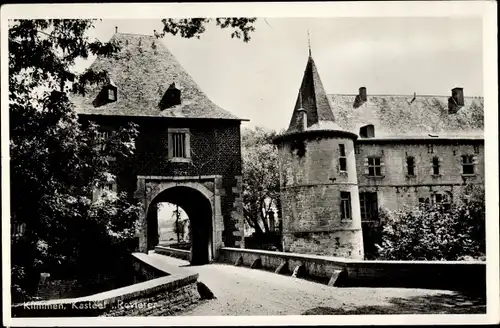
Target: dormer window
{"x": 107, "y": 95}
{"x": 172, "y": 97}
{"x": 111, "y": 94}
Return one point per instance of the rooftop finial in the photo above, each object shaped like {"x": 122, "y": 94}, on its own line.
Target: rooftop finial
{"x": 116, "y": 29}
{"x": 309, "y": 42}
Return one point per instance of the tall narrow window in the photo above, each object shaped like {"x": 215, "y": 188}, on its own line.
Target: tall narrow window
{"x": 178, "y": 145}
{"x": 435, "y": 165}
{"x": 410, "y": 165}
{"x": 430, "y": 149}
{"x": 102, "y": 139}
{"x": 476, "y": 149}
{"x": 468, "y": 164}
{"x": 369, "y": 206}
{"x": 373, "y": 166}
{"x": 345, "y": 205}
{"x": 342, "y": 158}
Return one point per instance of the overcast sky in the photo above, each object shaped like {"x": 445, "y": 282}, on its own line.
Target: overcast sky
{"x": 259, "y": 80}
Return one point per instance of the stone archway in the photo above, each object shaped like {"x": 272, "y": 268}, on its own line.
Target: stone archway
{"x": 198, "y": 197}
{"x": 199, "y": 210}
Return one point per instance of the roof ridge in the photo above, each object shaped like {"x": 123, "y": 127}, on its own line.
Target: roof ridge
{"x": 138, "y": 34}
{"x": 397, "y": 95}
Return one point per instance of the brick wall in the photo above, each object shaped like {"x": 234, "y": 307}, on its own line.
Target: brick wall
{"x": 165, "y": 295}
{"x": 215, "y": 147}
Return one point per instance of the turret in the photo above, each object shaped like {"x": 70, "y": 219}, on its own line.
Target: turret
{"x": 319, "y": 190}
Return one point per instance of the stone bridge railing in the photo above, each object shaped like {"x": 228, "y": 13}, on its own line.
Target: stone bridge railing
{"x": 169, "y": 289}
{"x": 455, "y": 275}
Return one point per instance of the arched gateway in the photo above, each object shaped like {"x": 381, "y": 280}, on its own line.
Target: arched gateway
{"x": 187, "y": 150}
{"x": 199, "y": 197}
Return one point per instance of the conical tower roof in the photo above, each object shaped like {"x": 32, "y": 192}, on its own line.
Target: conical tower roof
{"x": 313, "y": 98}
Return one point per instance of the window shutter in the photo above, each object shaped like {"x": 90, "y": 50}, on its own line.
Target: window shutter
{"x": 170, "y": 146}
{"x": 365, "y": 163}
{"x": 188, "y": 145}
{"x": 431, "y": 167}
{"x": 382, "y": 166}
{"x": 474, "y": 160}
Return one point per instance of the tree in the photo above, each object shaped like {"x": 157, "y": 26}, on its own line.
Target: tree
{"x": 194, "y": 27}
{"x": 179, "y": 223}
{"x": 437, "y": 233}
{"x": 56, "y": 162}
{"x": 260, "y": 178}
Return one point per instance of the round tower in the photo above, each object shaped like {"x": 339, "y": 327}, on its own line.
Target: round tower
{"x": 318, "y": 181}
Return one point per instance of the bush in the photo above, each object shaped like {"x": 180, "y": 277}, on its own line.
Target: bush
{"x": 435, "y": 233}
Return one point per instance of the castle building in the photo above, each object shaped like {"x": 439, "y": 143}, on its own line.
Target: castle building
{"x": 344, "y": 157}
{"x": 188, "y": 151}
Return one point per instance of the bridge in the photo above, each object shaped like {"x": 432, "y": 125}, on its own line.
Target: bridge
{"x": 256, "y": 282}
{"x": 246, "y": 291}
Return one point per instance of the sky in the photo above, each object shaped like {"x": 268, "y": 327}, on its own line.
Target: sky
{"x": 259, "y": 80}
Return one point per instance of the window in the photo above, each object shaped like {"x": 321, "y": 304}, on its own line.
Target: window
{"x": 441, "y": 200}
{"x": 476, "y": 149}
{"x": 102, "y": 139}
{"x": 423, "y": 202}
{"x": 111, "y": 94}
{"x": 342, "y": 159}
{"x": 410, "y": 165}
{"x": 436, "y": 164}
{"x": 178, "y": 145}
{"x": 108, "y": 186}
{"x": 373, "y": 166}
{"x": 430, "y": 149}
{"x": 345, "y": 205}
{"x": 468, "y": 162}
{"x": 368, "y": 205}
{"x": 18, "y": 229}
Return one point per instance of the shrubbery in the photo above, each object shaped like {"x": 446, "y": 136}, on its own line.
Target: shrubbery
{"x": 436, "y": 233}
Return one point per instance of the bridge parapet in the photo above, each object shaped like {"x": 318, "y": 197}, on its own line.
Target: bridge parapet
{"x": 170, "y": 289}
{"x": 335, "y": 271}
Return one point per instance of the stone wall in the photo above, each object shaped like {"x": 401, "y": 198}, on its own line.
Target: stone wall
{"x": 173, "y": 252}
{"x": 347, "y": 272}
{"x": 396, "y": 189}
{"x": 311, "y": 183}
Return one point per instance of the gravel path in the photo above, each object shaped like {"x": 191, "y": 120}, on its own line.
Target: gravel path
{"x": 245, "y": 291}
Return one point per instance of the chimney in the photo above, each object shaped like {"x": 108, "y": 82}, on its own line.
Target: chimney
{"x": 301, "y": 119}
{"x": 362, "y": 94}
{"x": 456, "y": 101}
{"x": 367, "y": 131}
{"x": 360, "y": 98}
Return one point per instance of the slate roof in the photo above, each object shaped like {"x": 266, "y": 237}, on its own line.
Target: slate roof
{"x": 396, "y": 116}
{"x": 142, "y": 71}
{"x": 313, "y": 98}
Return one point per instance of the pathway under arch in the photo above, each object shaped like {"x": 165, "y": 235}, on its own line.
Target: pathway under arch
{"x": 199, "y": 210}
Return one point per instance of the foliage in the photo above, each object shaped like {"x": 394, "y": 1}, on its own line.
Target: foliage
{"x": 436, "y": 233}
{"x": 57, "y": 162}
{"x": 194, "y": 27}
{"x": 260, "y": 178}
